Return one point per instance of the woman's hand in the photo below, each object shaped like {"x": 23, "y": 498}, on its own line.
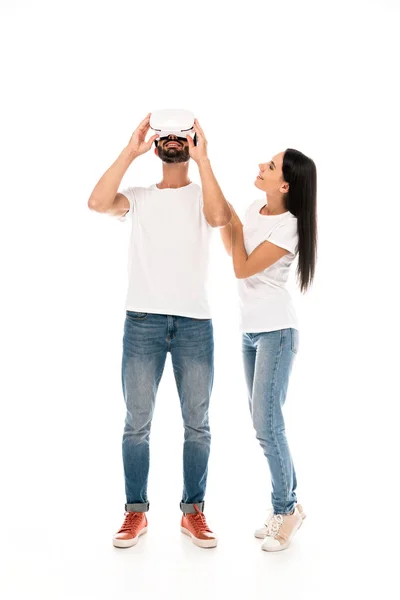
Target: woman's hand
{"x": 199, "y": 152}
{"x": 235, "y": 221}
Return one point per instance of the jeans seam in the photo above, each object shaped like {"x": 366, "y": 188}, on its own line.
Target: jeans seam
{"x": 293, "y": 347}
{"x": 272, "y": 414}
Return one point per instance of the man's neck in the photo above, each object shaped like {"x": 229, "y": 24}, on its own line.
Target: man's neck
{"x": 174, "y": 176}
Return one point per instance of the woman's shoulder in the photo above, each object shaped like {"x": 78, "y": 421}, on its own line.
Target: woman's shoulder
{"x": 288, "y": 222}
{"x": 291, "y": 219}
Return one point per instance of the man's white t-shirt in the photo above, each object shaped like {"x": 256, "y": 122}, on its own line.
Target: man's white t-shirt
{"x": 265, "y": 303}
{"x": 168, "y": 251}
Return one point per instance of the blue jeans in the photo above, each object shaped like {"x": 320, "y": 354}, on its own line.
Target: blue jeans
{"x": 147, "y": 340}
{"x": 268, "y": 360}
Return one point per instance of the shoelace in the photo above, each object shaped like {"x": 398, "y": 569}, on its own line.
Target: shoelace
{"x": 273, "y": 525}
{"x": 132, "y": 520}
{"x": 199, "y": 521}
{"x": 269, "y": 515}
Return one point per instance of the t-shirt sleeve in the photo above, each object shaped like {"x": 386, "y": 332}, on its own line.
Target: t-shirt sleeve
{"x": 129, "y": 193}
{"x": 285, "y": 236}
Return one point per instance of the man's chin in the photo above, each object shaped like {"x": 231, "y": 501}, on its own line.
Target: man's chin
{"x": 175, "y": 159}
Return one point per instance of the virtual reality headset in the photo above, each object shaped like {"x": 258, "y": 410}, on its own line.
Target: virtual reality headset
{"x": 173, "y": 122}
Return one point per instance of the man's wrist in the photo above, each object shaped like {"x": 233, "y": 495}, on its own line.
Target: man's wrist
{"x": 203, "y": 161}
{"x": 129, "y": 154}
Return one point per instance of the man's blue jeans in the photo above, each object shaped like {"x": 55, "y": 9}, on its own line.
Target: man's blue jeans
{"x": 147, "y": 340}
{"x": 268, "y": 360}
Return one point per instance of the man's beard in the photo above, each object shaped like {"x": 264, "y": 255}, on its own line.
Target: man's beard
{"x": 173, "y": 155}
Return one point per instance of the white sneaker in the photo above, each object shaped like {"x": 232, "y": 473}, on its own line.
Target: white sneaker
{"x": 281, "y": 530}
{"x": 263, "y": 531}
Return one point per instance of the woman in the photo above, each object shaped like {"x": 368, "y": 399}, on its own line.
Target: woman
{"x": 276, "y": 230}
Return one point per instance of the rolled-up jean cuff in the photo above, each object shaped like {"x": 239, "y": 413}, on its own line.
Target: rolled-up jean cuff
{"x": 188, "y": 509}
{"x": 139, "y": 507}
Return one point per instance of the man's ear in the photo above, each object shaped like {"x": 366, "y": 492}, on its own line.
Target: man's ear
{"x": 156, "y": 151}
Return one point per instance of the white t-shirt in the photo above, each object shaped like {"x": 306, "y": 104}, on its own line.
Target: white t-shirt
{"x": 168, "y": 251}
{"x": 265, "y": 303}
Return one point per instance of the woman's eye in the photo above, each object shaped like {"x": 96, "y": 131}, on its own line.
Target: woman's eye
{"x": 270, "y": 166}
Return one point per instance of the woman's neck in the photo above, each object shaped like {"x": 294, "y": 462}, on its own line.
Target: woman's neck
{"x": 275, "y": 205}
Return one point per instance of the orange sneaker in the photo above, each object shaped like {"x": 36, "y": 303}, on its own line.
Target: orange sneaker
{"x": 134, "y": 525}
{"x": 195, "y": 526}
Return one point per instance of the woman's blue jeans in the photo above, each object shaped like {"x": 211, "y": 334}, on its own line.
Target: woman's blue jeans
{"x": 268, "y": 360}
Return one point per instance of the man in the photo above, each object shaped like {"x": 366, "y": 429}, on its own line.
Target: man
{"x": 167, "y": 311}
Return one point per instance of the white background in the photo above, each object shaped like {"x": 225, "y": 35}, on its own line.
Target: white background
{"x": 77, "y": 78}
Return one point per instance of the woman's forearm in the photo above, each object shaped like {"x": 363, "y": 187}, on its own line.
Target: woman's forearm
{"x": 226, "y": 236}
{"x": 239, "y": 254}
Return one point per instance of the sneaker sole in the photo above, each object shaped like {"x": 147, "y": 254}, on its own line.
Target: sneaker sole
{"x": 199, "y": 543}
{"x": 262, "y": 536}
{"x": 286, "y": 545}
{"x": 128, "y": 543}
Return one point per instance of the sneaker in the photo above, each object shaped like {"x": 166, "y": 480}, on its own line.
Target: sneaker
{"x": 262, "y": 532}
{"x": 195, "y": 526}
{"x": 134, "y": 525}
{"x": 281, "y": 530}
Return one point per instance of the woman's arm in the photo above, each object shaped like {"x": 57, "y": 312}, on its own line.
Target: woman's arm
{"x": 226, "y": 236}
{"x": 265, "y": 255}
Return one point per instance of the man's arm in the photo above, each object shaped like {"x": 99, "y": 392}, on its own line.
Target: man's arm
{"x": 105, "y": 197}
{"x": 216, "y": 209}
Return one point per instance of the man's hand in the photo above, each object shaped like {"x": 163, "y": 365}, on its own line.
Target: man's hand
{"x": 137, "y": 144}
{"x": 198, "y": 152}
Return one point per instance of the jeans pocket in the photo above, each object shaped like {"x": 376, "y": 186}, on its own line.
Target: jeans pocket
{"x": 136, "y": 316}
{"x": 294, "y": 340}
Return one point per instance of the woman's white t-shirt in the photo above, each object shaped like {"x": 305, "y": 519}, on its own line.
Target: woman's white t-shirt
{"x": 168, "y": 251}
{"x": 265, "y": 303}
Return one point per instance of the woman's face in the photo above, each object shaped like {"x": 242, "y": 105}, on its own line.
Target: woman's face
{"x": 270, "y": 178}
